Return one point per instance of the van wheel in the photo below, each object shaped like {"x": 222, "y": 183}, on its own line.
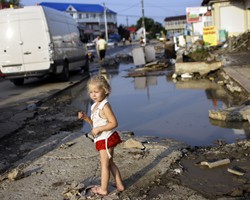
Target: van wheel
{"x": 18, "y": 81}
{"x": 64, "y": 76}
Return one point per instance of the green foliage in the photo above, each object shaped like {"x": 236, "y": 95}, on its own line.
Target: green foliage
{"x": 13, "y": 2}
{"x": 123, "y": 32}
{"x": 199, "y": 55}
{"x": 151, "y": 26}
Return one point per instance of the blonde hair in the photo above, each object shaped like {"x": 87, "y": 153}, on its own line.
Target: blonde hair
{"x": 100, "y": 82}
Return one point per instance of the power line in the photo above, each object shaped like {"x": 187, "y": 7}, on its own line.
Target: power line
{"x": 129, "y": 8}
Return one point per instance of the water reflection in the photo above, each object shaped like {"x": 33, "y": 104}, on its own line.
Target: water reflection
{"x": 155, "y": 106}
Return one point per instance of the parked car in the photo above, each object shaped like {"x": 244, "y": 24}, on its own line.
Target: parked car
{"x": 112, "y": 42}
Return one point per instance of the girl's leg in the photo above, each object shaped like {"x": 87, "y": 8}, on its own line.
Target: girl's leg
{"x": 105, "y": 173}
{"x": 116, "y": 172}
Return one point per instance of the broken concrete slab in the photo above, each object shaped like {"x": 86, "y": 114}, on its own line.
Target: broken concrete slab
{"x": 237, "y": 114}
{"x": 202, "y": 68}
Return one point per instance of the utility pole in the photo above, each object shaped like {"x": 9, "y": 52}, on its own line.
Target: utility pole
{"x": 127, "y": 20}
{"x": 105, "y": 21}
{"x": 143, "y": 22}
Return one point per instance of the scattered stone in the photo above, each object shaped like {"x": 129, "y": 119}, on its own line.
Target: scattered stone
{"x": 132, "y": 143}
{"x": 73, "y": 191}
{"x": 67, "y": 145}
{"x": 15, "y": 174}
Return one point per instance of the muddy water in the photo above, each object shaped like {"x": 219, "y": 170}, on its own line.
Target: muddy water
{"x": 156, "y": 106}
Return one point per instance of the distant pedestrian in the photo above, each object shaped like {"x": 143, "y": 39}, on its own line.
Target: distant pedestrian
{"x": 102, "y": 46}
{"x": 142, "y": 41}
{"x": 123, "y": 41}
{"x": 95, "y": 41}
{"x": 130, "y": 40}
{"x": 104, "y": 122}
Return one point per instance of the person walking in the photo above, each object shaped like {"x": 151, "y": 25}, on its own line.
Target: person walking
{"x": 123, "y": 41}
{"x": 102, "y": 46}
{"x": 95, "y": 41}
{"x": 103, "y": 122}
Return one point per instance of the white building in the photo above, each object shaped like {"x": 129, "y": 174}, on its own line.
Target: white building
{"x": 90, "y": 17}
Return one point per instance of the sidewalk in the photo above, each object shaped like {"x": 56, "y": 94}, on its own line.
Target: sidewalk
{"x": 241, "y": 74}
{"x": 73, "y": 160}
{"x": 237, "y": 66}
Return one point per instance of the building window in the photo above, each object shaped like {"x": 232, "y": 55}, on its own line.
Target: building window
{"x": 87, "y": 15}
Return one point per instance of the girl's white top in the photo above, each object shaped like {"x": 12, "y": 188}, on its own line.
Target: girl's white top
{"x": 99, "y": 121}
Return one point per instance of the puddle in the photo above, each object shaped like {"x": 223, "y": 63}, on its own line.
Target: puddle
{"x": 156, "y": 106}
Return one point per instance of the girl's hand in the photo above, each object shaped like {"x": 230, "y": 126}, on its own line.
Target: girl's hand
{"x": 96, "y": 131}
{"x": 80, "y": 115}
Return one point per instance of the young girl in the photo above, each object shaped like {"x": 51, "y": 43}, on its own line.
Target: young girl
{"x": 105, "y": 137}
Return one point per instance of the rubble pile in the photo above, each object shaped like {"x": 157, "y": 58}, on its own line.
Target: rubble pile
{"x": 238, "y": 43}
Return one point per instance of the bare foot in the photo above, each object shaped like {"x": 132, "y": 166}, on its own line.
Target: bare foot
{"x": 97, "y": 190}
{"x": 120, "y": 188}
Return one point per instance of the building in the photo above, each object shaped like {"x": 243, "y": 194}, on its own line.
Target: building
{"x": 229, "y": 15}
{"x": 90, "y": 17}
{"x": 175, "y": 25}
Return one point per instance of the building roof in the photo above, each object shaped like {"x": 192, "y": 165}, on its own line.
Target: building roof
{"x": 180, "y": 17}
{"x": 132, "y": 29}
{"x": 206, "y": 2}
{"x": 79, "y": 7}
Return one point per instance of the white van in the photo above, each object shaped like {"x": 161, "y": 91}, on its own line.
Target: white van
{"x": 37, "y": 41}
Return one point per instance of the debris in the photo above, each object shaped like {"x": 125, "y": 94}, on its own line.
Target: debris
{"x": 67, "y": 145}
{"x": 237, "y": 114}
{"x": 203, "y": 68}
{"x": 186, "y": 75}
{"x": 90, "y": 136}
{"x": 74, "y": 190}
{"x": 174, "y": 75}
{"x": 178, "y": 171}
{"x": 237, "y": 171}
{"x": 15, "y": 174}
{"x": 132, "y": 143}
{"x": 216, "y": 163}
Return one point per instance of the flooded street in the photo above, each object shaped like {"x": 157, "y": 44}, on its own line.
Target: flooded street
{"x": 156, "y": 106}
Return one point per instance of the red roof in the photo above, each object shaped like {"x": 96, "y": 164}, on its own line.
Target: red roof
{"x": 132, "y": 29}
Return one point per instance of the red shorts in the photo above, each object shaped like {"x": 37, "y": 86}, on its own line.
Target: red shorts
{"x": 113, "y": 140}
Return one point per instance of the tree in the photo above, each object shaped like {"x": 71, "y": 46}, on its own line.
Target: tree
{"x": 151, "y": 26}
{"x": 15, "y": 3}
{"x": 123, "y": 32}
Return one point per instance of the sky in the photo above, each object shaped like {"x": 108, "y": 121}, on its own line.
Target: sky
{"x": 129, "y": 11}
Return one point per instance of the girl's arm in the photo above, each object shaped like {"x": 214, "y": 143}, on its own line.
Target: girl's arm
{"x": 108, "y": 114}
{"x": 82, "y": 115}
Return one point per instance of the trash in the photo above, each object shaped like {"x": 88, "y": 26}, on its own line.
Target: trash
{"x": 66, "y": 145}
{"x": 90, "y": 136}
{"x": 186, "y": 75}
{"x": 174, "y": 75}
{"x": 178, "y": 171}
{"x": 74, "y": 190}
{"x": 236, "y": 170}
{"x": 216, "y": 163}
